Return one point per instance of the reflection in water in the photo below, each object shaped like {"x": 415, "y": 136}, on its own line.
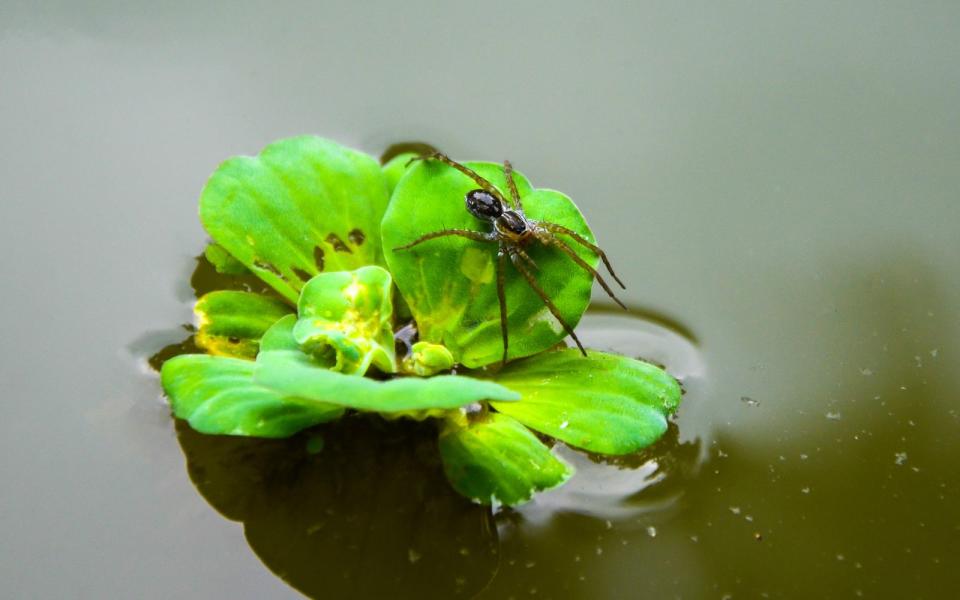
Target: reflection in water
{"x": 371, "y": 513}
{"x": 361, "y": 508}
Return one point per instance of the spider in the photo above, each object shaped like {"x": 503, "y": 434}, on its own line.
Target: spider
{"x": 512, "y": 231}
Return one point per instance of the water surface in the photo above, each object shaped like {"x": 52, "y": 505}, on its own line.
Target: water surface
{"x": 777, "y": 184}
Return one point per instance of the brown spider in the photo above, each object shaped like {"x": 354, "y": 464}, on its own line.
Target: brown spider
{"x": 512, "y": 231}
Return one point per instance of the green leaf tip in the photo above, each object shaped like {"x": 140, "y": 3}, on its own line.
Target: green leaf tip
{"x": 348, "y": 313}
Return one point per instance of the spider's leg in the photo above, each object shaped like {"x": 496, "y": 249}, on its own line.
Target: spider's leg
{"x": 553, "y": 240}
{"x": 526, "y": 257}
{"x": 502, "y": 298}
{"x": 483, "y": 183}
{"x": 555, "y": 228}
{"x": 514, "y": 194}
{"x": 546, "y": 300}
{"x": 472, "y": 235}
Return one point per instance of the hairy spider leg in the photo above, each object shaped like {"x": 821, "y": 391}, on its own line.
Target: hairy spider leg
{"x": 483, "y": 183}
{"x": 502, "y": 299}
{"x": 551, "y": 239}
{"x": 546, "y": 300}
{"x": 555, "y": 228}
{"x": 472, "y": 235}
{"x": 526, "y": 257}
{"x": 514, "y": 194}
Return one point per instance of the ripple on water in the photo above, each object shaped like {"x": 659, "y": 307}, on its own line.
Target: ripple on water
{"x": 653, "y": 479}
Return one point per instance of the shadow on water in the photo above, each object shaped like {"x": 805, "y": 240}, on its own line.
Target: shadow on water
{"x": 371, "y": 513}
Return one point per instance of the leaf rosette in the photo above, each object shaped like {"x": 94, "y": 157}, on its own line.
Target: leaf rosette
{"x": 318, "y": 223}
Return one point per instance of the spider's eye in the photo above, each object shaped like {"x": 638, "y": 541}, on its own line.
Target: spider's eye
{"x": 483, "y": 205}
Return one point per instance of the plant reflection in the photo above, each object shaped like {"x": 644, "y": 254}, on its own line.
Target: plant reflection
{"x": 371, "y": 513}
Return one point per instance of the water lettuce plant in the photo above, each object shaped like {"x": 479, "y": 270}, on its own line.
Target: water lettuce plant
{"x": 354, "y": 326}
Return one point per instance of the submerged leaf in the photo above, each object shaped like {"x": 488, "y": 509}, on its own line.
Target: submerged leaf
{"x": 348, "y": 314}
{"x": 603, "y": 403}
{"x": 293, "y": 373}
{"x": 496, "y": 459}
{"x": 231, "y": 323}
{"x": 450, "y": 282}
{"x": 305, "y": 205}
{"x": 218, "y": 395}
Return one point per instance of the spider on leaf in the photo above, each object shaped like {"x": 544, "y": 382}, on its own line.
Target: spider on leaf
{"x": 512, "y": 231}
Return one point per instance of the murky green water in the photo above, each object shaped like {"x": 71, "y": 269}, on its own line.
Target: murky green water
{"x": 778, "y": 184}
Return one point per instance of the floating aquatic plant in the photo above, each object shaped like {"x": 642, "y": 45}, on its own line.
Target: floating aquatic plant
{"x": 355, "y": 325}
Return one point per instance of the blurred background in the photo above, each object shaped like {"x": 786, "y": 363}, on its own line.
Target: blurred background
{"x": 778, "y": 182}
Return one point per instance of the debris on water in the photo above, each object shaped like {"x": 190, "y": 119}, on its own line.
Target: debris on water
{"x": 840, "y": 557}
{"x": 933, "y": 352}
{"x": 652, "y": 531}
{"x": 413, "y": 556}
{"x": 749, "y": 518}
{"x": 757, "y": 536}
{"x": 694, "y": 538}
{"x": 735, "y": 510}
{"x": 900, "y": 458}
{"x": 609, "y": 524}
{"x": 803, "y": 457}
{"x": 866, "y": 372}
{"x": 564, "y": 425}
{"x": 805, "y": 490}
{"x": 599, "y": 550}
{"x": 834, "y": 416}
{"x": 749, "y": 401}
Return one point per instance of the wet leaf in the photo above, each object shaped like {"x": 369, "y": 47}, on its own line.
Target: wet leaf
{"x": 218, "y": 395}
{"x": 348, "y": 314}
{"x": 603, "y": 403}
{"x": 231, "y": 323}
{"x": 450, "y": 282}
{"x": 496, "y": 459}
{"x": 305, "y": 205}
{"x": 292, "y": 373}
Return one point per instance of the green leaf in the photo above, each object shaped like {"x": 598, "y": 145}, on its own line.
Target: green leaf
{"x": 496, "y": 459}
{"x": 603, "y": 403}
{"x": 280, "y": 336}
{"x": 222, "y": 261}
{"x": 231, "y": 323}
{"x": 303, "y": 206}
{"x": 294, "y": 374}
{"x": 426, "y": 359}
{"x": 348, "y": 314}
{"x": 218, "y": 395}
{"x": 450, "y": 282}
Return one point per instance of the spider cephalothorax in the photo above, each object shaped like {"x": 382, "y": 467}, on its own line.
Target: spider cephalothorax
{"x": 512, "y": 231}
